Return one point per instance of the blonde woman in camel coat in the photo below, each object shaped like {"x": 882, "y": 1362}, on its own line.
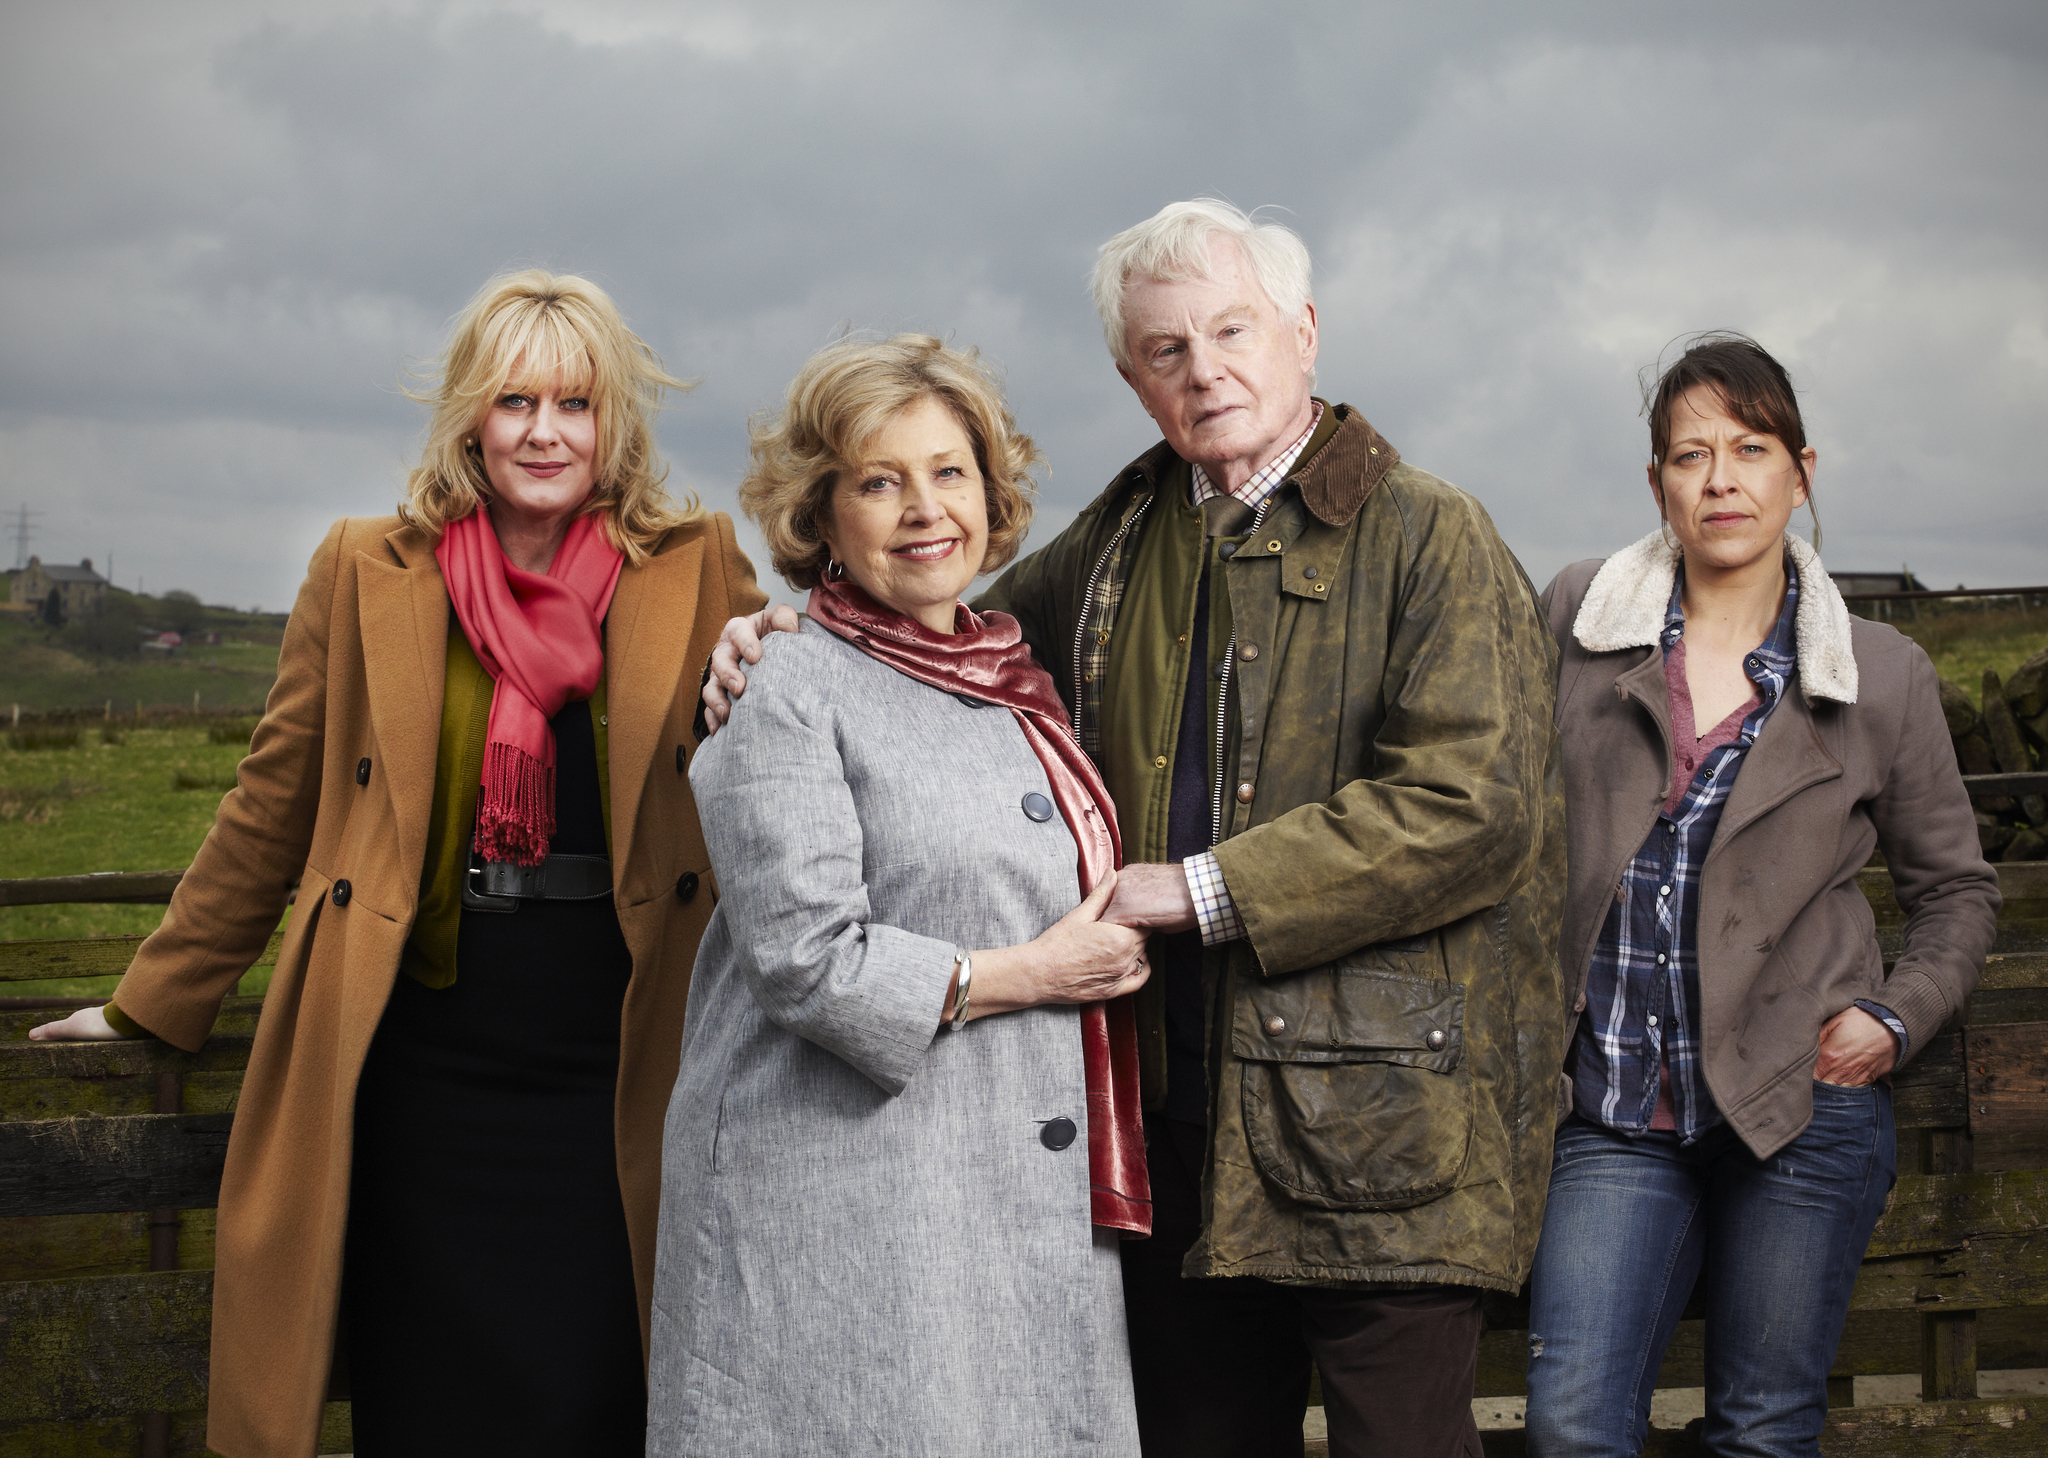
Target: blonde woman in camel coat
{"x": 351, "y": 792}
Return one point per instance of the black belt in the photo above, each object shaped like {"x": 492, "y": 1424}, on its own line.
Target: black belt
{"x": 501, "y": 885}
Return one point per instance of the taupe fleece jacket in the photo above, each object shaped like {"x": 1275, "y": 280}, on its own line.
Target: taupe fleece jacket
{"x": 1858, "y": 759}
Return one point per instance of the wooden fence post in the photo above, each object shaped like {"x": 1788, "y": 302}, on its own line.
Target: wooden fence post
{"x": 163, "y": 1256}
{"x": 1948, "y": 1340}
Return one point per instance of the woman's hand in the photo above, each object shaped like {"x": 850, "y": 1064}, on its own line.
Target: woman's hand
{"x": 87, "y": 1025}
{"x": 1079, "y": 958}
{"x": 1855, "y": 1049}
{"x": 742, "y": 640}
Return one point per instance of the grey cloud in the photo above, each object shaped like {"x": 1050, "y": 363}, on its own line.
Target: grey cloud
{"x": 236, "y": 225}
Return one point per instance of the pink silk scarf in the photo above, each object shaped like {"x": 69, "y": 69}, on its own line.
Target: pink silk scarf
{"x": 986, "y": 658}
{"x": 540, "y": 637}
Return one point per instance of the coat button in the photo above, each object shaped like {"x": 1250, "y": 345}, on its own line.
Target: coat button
{"x": 1159, "y": 761}
{"x": 1276, "y": 1025}
{"x": 686, "y": 885}
{"x": 1436, "y": 1040}
{"x": 682, "y": 758}
{"x": 341, "y": 893}
{"x": 1227, "y": 550}
{"x": 362, "y": 772}
{"x": 1310, "y": 573}
{"x": 971, "y": 701}
{"x": 1056, "y": 1134}
{"x": 1248, "y": 652}
{"x": 1038, "y": 807}
{"x": 1244, "y": 793}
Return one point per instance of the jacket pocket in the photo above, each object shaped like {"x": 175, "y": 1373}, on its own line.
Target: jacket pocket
{"x": 1357, "y": 1095}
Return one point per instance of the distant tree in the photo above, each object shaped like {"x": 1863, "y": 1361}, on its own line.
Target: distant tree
{"x": 115, "y": 631}
{"x": 180, "y": 610}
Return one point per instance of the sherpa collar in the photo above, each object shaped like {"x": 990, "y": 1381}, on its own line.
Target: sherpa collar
{"x": 1624, "y": 608}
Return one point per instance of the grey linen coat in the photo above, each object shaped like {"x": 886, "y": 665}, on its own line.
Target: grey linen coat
{"x": 865, "y": 1246}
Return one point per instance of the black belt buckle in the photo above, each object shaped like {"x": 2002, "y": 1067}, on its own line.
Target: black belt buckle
{"x": 474, "y": 897}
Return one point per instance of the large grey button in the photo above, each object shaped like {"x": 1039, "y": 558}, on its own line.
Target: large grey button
{"x": 1276, "y": 1025}
{"x": 1436, "y": 1040}
{"x": 1038, "y": 807}
{"x": 1056, "y": 1134}
{"x": 1228, "y": 550}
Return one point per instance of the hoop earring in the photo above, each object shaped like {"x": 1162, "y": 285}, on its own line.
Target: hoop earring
{"x": 832, "y": 567}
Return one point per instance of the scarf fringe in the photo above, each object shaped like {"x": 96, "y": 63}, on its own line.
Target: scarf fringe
{"x": 515, "y": 814}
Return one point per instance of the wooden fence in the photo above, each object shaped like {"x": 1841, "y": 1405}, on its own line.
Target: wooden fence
{"x": 110, "y": 1159}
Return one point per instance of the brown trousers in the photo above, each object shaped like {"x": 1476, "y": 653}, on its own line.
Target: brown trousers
{"x": 1221, "y": 1367}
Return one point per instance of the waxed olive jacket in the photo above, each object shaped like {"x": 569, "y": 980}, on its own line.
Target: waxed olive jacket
{"x": 1385, "y": 1043}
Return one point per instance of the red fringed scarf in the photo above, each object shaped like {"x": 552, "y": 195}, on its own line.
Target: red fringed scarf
{"x": 986, "y": 657}
{"x": 539, "y": 637}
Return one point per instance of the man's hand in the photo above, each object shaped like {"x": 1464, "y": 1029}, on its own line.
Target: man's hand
{"x": 1855, "y": 1049}
{"x": 87, "y": 1025}
{"x": 1152, "y": 898}
{"x": 740, "y": 640}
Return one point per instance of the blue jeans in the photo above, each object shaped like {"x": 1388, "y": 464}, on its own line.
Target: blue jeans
{"x": 1633, "y": 1221}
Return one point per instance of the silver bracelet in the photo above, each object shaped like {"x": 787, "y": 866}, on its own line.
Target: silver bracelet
{"x": 963, "y": 960}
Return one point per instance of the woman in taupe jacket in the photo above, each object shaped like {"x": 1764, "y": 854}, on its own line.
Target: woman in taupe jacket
{"x": 1736, "y": 746}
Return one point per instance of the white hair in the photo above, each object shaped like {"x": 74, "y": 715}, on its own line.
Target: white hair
{"x": 1173, "y": 244}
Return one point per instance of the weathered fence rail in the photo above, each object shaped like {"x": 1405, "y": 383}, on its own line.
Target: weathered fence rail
{"x": 110, "y": 1157}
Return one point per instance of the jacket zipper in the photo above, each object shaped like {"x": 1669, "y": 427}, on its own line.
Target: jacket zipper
{"x": 1088, "y": 603}
{"x": 1223, "y": 701}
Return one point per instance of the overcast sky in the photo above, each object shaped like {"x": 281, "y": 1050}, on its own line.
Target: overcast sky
{"x": 229, "y": 228}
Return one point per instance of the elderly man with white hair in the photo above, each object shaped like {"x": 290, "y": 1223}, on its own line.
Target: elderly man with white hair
{"x": 1319, "y": 688}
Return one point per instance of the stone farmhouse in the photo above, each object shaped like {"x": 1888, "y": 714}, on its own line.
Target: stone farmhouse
{"x": 60, "y": 593}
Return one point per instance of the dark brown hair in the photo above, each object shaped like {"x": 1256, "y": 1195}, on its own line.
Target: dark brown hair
{"x": 1753, "y": 388}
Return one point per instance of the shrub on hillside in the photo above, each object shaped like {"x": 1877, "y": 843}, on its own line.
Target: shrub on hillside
{"x": 44, "y": 736}
{"x": 115, "y": 631}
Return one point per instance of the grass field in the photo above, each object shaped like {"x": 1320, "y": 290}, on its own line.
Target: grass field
{"x": 44, "y": 672}
{"x": 1963, "y": 644}
{"x": 106, "y": 807}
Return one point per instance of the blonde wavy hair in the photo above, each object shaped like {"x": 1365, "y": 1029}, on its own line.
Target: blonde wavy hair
{"x": 840, "y": 401}
{"x": 545, "y": 327}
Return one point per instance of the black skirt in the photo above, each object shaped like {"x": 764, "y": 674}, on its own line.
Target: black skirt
{"x": 488, "y": 1298}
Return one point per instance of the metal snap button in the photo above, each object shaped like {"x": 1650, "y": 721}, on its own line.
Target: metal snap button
{"x": 1037, "y": 807}
{"x": 1309, "y": 573}
{"x": 1274, "y": 545}
{"x": 1276, "y": 1025}
{"x": 1056, "y": 1134}
{"x": 362, "y": 772}
{"x": 1244, "y": 793}
{"x": 342, "y": 891}
{"x": 1159, "y": 761}
{"x": 1248, "y": 652}
{"x": 1436, "y": 1040}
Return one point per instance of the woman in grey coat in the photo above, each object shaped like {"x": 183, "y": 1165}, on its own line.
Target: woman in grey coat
{"x": 889, "y": 1216}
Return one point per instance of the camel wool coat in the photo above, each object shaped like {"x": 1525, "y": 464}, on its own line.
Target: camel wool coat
{"x": 336, "y": 789}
